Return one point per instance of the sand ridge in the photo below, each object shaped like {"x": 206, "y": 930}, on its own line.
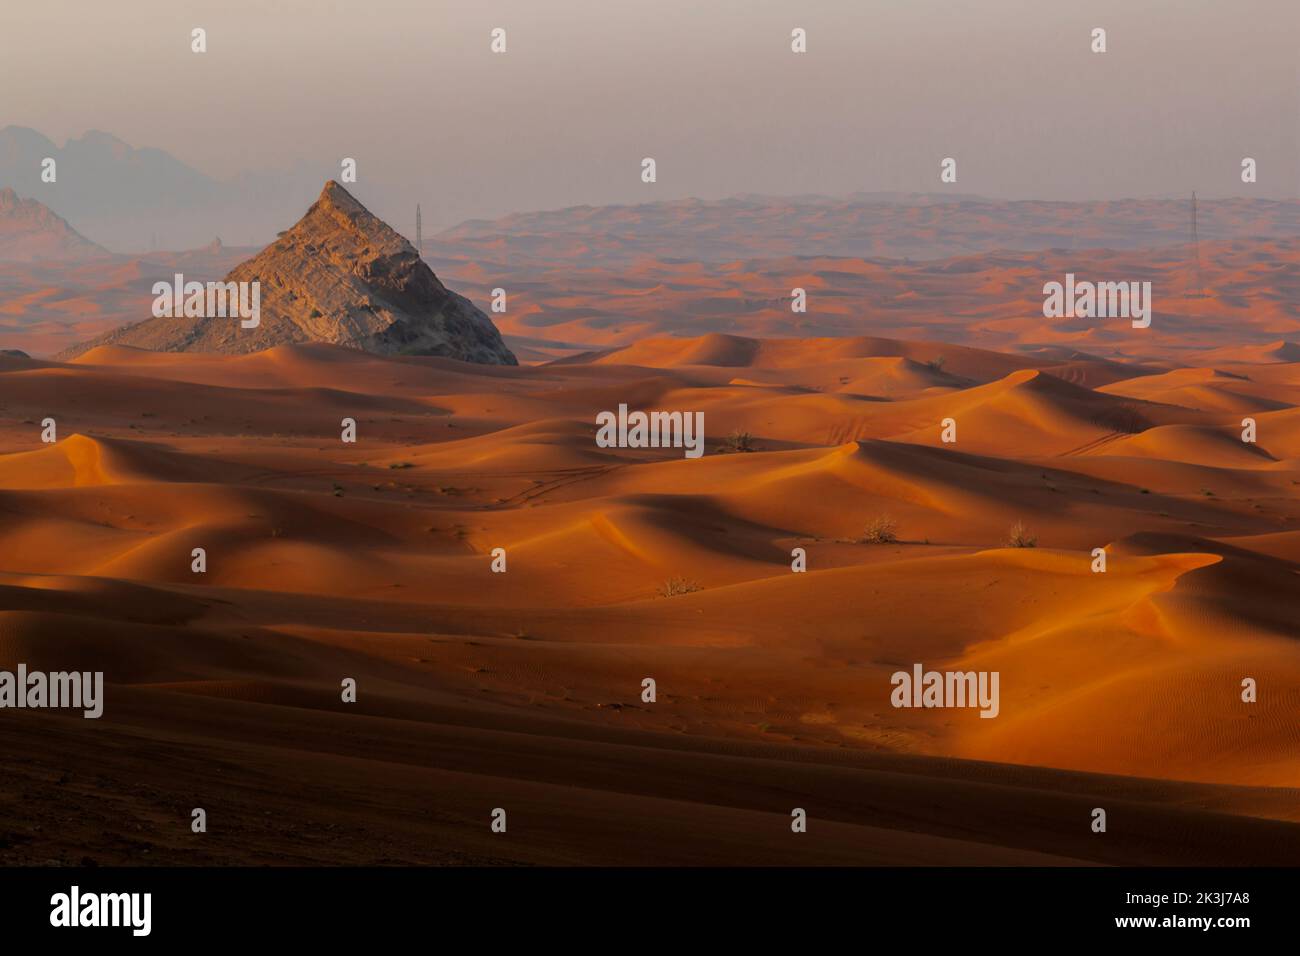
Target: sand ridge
{"x": 372, "y": 560}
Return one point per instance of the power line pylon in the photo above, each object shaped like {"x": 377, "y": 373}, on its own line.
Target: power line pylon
{"x": 1196, "y": 291}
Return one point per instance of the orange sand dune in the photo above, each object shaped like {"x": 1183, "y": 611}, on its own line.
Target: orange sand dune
{"x": 1209, "y": 389}
{"x": 373, "y": 560}
{"x": 1198, "y": 444}
{"x": 731, "y": 351}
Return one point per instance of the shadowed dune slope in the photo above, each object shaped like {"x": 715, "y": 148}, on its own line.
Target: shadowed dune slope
{"x": 499, "y": 586}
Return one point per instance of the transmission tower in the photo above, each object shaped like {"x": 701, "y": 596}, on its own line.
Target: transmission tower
{"x": 419, "y": 232}
{"x": 1196, "y": 255}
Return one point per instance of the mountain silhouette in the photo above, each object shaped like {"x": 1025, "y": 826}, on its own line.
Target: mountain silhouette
{"x": 126, "y": 198}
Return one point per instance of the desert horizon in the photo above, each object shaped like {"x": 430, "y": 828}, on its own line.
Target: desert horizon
{"x": 498, "y": 580}
{"x": 815, "y": 449}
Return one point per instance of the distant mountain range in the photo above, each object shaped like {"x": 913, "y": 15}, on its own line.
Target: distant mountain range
{"x": 862, "y": 225}
{"x": 131, "y": 199}
{"x": 31, "y": 232}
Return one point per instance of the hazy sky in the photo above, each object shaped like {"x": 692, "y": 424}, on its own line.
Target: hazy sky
{"x": 707, "y": 87}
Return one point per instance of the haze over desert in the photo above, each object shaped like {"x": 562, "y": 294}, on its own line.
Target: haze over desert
{"x": 375, "y": 560}
{"x": 485, "y": 437}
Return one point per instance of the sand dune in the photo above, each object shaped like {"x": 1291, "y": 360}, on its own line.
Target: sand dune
{"x": 568, "y": 298}
{"x": 373, "y": 560}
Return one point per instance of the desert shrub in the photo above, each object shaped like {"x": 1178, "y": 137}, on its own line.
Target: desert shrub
{"x": 739, "y": 441}
{"x": 675, "y": 586}
{"x": 1021, "y": 537}
{"x": 881, "y": 530}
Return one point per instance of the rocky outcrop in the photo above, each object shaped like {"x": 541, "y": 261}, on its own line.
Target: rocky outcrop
{"x": 31, "y": 232}
{"x": 341, "y": 276}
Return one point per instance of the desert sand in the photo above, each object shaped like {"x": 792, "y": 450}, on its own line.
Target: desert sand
{"x": 522, "y": 690}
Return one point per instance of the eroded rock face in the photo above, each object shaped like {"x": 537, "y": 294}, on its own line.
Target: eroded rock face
{"x": 340, "y": 276}
{"x": 31, "y": 232}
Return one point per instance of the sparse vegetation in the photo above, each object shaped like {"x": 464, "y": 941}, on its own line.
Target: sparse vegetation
{"x": 936, "y": 363}
{"x": 739, "y": 441}
{"x": 400, "y": 464}
{"x": 1021, "y": 537}
{"x": 675, "y": 586}
{"x": 881, "y": 530}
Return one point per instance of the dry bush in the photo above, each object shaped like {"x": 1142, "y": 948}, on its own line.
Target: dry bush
{"x": 1021, "y": 537}
{"x": 881, "y": 530}
{"x": 675, "y": 586}
{"x": 739, "y": 441}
